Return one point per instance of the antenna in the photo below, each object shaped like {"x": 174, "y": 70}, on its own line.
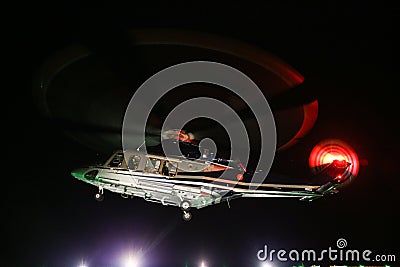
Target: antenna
{"x": 141, "y": 145}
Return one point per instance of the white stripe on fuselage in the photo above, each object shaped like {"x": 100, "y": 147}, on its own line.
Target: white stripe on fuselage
{"x": 167, "y": 180}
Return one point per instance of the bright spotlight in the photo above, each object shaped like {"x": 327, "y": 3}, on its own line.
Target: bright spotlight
{"x": 203, "y": 264}
{"x": 266, "y": 264}
{"x": 83, "y": 264}
{"x": 131, "y": 261}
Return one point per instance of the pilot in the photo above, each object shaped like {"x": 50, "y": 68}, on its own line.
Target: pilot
{"x": 165, "y": 170}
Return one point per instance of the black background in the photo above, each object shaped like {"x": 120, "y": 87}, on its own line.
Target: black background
{"x": 347, "y": 49}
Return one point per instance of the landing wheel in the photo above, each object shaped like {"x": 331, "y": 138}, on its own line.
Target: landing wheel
{"x": 187, "y": 216}
{"x": 185, "y": 205}
{"x": 99, "y": 197}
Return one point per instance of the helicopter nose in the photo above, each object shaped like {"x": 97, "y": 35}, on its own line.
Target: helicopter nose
{"x": 87, "y": 174}
{"x": 78, "y": 173}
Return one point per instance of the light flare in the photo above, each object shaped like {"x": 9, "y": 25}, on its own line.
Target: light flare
{"x": 330, "y": 150}
{"x": 131, "y": 260}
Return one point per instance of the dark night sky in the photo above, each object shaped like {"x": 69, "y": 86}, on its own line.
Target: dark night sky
{"x": 346, "y": 50}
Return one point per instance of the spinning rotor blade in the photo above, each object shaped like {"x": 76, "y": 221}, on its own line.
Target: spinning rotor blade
{"x": 85, "y": 89}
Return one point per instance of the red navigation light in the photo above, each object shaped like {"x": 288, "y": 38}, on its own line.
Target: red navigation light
{"x": 337, "y": 152}
{"x": 330, "y": 157}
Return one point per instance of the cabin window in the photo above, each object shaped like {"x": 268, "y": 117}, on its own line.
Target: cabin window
{"x": 91, "y": 175}
{"x": 117, "y": 161}
{"x": 169, "y": 168}
{"x": 134, "y": 162}
{"x": 152, "y": 165}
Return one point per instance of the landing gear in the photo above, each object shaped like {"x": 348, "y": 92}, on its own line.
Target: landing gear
{"x": 100, "y": 195}
{"x": 187, "y": 216}
{"x": 185, "y": 205}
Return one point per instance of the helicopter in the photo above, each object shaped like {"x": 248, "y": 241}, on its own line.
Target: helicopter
{"x": 103, "y": 77}
{"x": 196, "y": 179}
